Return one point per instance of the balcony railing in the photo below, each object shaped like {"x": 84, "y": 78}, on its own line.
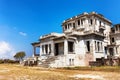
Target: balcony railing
{"x": 95, "y": 32}
{"x": 80, "y": 28}
{"x": 101, "y": 27}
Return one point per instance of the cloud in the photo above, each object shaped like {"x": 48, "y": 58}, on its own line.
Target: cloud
{"x": 23, "y": 33}
{"x": 6, "y": 50}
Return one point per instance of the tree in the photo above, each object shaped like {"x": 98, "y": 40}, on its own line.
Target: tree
{"x": 19, "y": 55}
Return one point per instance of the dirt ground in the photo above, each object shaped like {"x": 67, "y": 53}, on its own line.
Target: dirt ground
{"x": 17, "y": 72}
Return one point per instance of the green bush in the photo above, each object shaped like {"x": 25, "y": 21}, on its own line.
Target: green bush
{"x": 8, "y": 61}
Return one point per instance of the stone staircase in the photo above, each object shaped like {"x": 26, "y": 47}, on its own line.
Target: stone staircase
{"x": 46, "y": 62}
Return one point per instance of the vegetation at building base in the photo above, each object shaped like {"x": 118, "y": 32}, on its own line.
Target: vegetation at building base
{"x": 101, "y": 68}
{"x": 8, "y": 61}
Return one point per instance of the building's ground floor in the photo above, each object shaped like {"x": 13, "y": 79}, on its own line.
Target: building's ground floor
{"x": 71, "y": 51}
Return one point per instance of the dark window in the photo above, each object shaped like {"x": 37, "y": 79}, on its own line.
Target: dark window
{"x": 78, "y": 22}
{"x": 49, "y": 48}
{"x": 70, "y": 62}
{"x": 105, "y": 50}
{"x": 43, "y": 48}
{"x": 91, "y": 21}
{"x": 113, "y": 40}
{"x": 81, "y": 21}
{"x": 95, "y": 21}
{"x": 98, "y": 45}
{"x": 116, "y": 28}
{"x": 113, "y": 31}
{"x": 70, "y": 46}
{"x": 111, "y": 51}
{"x": 100, "y": 23}
{"x": 101, "y": 47}
{"x": 88, "y": 45}
{"x": 46, "y": 49}
{"x": 69, "y": 24}
{"x": 119, "y": 27}
{"x": 65, "y": 27}
{"x": 73, "y": 25}
{"x": 95, "y": 46}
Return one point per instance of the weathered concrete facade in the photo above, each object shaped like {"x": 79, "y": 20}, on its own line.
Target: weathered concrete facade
{"x": 85, "y": 38}
{"x": 114, "y": 48}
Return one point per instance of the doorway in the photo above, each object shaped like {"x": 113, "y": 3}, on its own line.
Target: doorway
{"x": 111, "y": 51}
{"x": 59, "y": 48}
{"x": 56, "y": 49}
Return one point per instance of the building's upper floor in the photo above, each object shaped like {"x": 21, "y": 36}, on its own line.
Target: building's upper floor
{"x": 87, "y": 22}
{"x": 115, "y": 35}
{"x": 115, "y": 29}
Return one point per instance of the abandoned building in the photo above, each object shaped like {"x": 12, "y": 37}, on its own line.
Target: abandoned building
{"x": 86, "y": 37}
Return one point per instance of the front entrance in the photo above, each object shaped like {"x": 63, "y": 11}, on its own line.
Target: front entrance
{"x": 111, "y": 51}
{"x": 59, "y": 48}
{"x": 56, "y": 49}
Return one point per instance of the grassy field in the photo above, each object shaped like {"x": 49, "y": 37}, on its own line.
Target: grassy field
{"x": 17, "y": 72}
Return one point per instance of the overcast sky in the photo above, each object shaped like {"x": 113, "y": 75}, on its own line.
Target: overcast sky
{"x": 24, "y": 21}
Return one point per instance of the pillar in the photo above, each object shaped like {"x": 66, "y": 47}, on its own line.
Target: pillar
{"x": 96, "y": 47}
{"x": 48, "y": 49}
{"x": 94, "y": 23}
{"x": 93, "y": 49}
{"x": 44, "y": 50}
{"x": 52, "y": 49}
{"x": 41, "y": 52}
{"x": 34, "y": 50}
{"x": 65, "y": 47}
{"x": 115, "y": 51}
{"x": 100, "y": 46}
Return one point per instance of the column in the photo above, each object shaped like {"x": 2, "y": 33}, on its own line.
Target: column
{"x": 100, "y": 46}
{"x": 80, "y": 22}
{"x": 41, "y": 52}
{"x": 44, "y": 50}
{"x": 52, "y": 49}
{"x": 94, "y": 49}
{"x": 65, "y": 47}
{"x": 94, "y": 24}
{"x": 34, "y": 50}
{"x": 48, "y": 49}
{"x": 115, "y": 51}
{"x": 67, "y": 26}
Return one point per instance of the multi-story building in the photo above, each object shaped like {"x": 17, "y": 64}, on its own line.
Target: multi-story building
{"x": 86, "y": 37}
{"x": 114, "y": 48}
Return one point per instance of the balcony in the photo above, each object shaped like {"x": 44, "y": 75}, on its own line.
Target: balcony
{"x": 113, "y": 43}
{"x": 68, "y": 31}
{"x": 93, "y": 32}
{"x": 102, "y": 27}
{"x": 80, "y": 28}
{"x": 115, "y": 33}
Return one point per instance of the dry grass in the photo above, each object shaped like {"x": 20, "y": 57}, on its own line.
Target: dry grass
{"x": 17, "y": 72}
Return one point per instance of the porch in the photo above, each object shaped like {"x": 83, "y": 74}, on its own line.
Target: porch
{"x": 63, "y": 47}
{"x": 36, "y": 45}
{"x": 59, "y": 46}
{"x": 112, "y": 50}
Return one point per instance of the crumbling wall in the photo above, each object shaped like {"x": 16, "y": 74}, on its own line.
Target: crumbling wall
{"x": 88, "y": 57}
